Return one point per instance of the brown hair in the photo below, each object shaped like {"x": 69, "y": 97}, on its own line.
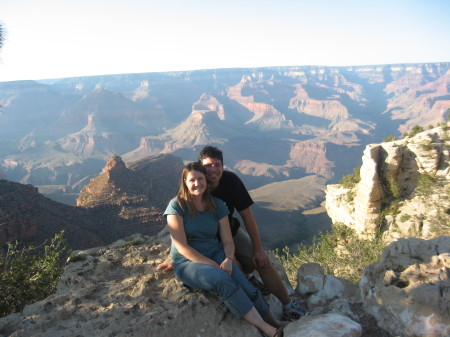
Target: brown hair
{"x": 184, "y": 197}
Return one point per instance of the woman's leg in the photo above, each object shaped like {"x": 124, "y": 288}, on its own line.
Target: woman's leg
{"x": 257, "y": 298}
{"x": 203, "y": 276}
{"x": 206, "y": 277}
{"x": 254, "y": 318}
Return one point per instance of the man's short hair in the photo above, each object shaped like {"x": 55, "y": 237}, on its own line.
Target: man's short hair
{"x": 210, "y": 152}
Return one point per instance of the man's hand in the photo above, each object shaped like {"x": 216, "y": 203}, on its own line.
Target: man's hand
{"x": 166, "y": 266}
{"x": 260, "y": 258}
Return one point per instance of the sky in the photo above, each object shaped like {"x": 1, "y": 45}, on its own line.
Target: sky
{"x": 47, "y": 39}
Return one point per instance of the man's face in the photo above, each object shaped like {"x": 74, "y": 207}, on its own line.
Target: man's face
{"x": 214, "y": 170}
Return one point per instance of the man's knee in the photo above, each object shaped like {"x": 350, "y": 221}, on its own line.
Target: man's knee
{"x": 267, "y": 268}
{"x": 246, "y": 265}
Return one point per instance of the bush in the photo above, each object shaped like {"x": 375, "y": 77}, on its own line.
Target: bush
{"x": 389, "y": 139}
{"x": 340, "y": 252}
{"x": 426, "y": 184}
{"x": 30, "y": 274}
{"x": 415, "y": 130}
{"x": 394, "y": 188}
{"x": 405, "y": 217}
{"x": 350, "y": 180}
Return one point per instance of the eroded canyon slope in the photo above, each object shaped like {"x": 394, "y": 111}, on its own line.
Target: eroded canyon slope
{"x": 274, "y": 124}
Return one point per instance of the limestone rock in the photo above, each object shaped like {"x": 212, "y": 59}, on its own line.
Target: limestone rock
{"x": 116, "y": 291}
{"x": 310, "y": 278}
{"x": 329, "y": 325}
{"x": 392, "y": 171}
{"x": 408, "y": 291}
{"x": 333, "y": 287}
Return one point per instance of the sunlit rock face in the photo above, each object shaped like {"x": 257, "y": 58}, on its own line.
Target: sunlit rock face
{"x": 394, "y": 172}
{"x": 408, "y": 291}
{"x": 58, "y": 133}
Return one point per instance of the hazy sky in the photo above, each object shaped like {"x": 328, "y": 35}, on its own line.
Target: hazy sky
{"x": 65, "y": 38}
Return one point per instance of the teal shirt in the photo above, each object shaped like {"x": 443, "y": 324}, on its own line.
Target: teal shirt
{"x": 201, "y": 230}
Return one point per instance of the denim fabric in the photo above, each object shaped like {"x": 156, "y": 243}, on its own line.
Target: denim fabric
{"x": 234, "y": 290}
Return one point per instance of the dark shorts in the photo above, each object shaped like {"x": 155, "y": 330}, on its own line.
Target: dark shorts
{"x": 243, "y": 249}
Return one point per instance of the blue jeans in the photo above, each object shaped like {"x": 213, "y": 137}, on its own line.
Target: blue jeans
{"x": 234, "y": 290}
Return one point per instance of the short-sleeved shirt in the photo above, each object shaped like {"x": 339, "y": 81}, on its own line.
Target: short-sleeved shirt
{"x": 201, "y": 230}
{"x": 233, "y": 192}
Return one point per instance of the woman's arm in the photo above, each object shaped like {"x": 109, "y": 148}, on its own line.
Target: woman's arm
{"x": 176, "y": 229}
{"x": 227, "y": 243}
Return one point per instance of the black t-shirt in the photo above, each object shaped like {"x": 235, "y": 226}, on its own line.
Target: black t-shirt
{"x": 232, "y": 191}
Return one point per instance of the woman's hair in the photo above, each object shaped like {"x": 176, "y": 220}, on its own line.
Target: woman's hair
{"x": 184, "y": 197}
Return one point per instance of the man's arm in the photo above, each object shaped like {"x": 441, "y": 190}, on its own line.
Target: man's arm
{"x": 259, "y": 255}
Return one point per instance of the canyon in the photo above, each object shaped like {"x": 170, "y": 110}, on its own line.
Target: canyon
{"x": 116, "y": 289}
{"x": 275, "y": 125}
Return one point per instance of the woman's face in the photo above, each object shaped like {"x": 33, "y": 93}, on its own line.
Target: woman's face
{"x": 195, "y": 182}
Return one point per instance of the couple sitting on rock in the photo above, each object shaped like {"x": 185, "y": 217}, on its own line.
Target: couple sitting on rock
{"x": 202, "y": 209}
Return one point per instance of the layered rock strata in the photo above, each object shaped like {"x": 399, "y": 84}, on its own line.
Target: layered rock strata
{"x": 408, "y": 291}
{"x": 407, "y": 174}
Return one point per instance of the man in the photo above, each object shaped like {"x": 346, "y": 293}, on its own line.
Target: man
{"x": 249, "y": 252}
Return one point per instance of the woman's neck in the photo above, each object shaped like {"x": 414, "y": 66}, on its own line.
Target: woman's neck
{"x": 198, "y": 202}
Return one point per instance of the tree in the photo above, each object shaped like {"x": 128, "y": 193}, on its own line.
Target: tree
{"x": 2, "y": 35}
{"x": 30, "y": 274}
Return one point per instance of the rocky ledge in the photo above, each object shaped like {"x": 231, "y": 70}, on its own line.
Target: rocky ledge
{"x": 116, "y": 291}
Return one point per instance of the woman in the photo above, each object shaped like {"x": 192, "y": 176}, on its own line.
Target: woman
{"x": 203, "y": 261}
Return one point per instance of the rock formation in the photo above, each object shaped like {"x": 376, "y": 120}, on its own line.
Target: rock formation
{"x": 150, "y": 182}
{"x": 123, "y": 200}
{"x": 403, "y": 191}
{"x": 93, "y": 141}
{"x": 116, "y": 290}
{"x": 408, "y": 291}
{"x": 265, "y": 116}
{"x": 258, "y": 114}
{"x": 30, "y": 218}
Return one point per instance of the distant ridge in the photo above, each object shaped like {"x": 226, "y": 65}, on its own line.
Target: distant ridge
{"x": 121, "y": 201}
{"x": 272, "y": 123}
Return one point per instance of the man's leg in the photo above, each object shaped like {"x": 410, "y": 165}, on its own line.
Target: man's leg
{"x": 269, "y": 275}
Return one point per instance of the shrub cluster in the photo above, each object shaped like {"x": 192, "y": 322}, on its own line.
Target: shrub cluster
{"x": 30, "y": 274}
{"x": 350, "y": 180}
{"x": 341, "y": 252}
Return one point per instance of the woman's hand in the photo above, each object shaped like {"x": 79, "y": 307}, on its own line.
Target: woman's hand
{"x": 227, "y": 265}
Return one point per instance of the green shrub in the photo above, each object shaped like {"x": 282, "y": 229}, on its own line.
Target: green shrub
{"x": 426, "y": 184}
{"x": 30, "y": 274}
{"x": 350, "y": 196}
{"x": 350, "y": 180}
{"x": 389, "y": 139}
{"x": 131, "y": 244}
{"x": 426, "y": 146}
{"x": 415, "y": 130}
{"x": 394, "y": 188}
{"x": 405, "y": 217}
{"x": 440, "y": 224}
{"x": 340, "y": 252}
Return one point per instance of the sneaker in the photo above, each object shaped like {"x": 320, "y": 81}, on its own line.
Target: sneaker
{"x": 292, "y": 311}
{"x": 257, "y": 283}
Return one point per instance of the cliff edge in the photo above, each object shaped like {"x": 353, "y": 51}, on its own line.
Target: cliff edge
{"x": 403, "y": 190}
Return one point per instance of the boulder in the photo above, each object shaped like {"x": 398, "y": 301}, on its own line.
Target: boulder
{"x": 329, "y": 325}
{"x": 321, "y": 289}
{"x": 408, "y": 291}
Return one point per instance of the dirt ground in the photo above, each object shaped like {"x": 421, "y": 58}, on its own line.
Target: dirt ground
{"x": 368, "y": 323}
